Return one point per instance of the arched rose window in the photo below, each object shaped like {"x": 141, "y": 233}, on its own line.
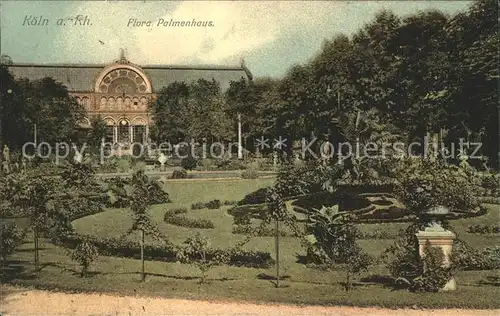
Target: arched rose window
{"x": 122, "y": 81}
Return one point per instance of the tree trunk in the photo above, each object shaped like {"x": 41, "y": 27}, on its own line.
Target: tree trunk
{"x": 277, "y": 239}
{"x": 35, "y": 242}
{"x": 348, "y": 281}
{"x": 1, "y": 146}
{"x": 143, "y": 273}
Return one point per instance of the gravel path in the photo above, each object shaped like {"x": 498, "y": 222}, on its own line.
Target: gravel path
{"x": 18, "y": 301}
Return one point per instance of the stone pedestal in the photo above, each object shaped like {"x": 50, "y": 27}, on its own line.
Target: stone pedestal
{"x": 437, "y": 236}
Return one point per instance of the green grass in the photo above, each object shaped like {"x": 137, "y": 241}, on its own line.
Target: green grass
{"x": 304, "y": 285}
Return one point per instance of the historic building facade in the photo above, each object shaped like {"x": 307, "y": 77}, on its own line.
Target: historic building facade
{"x": 120, "y": 92}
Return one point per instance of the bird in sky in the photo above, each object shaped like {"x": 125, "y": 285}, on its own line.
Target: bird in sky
{"x": 101, "y": 42}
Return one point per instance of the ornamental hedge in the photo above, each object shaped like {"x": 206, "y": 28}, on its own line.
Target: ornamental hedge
{"x": 109, "y": 246}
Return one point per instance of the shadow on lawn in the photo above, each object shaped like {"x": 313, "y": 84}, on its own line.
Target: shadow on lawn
{"x": 176, "y": 277}
{"x": 272, "y": 279}
{"x": 15, "y": 269}
{"x": 386, "y": 281}
{"x": 492, "y": 280}
{"x": 30, "y": 249}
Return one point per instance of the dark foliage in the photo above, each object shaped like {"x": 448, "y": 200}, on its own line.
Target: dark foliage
{"x": 179, "y": 174}
{"x": 189, "y": 163}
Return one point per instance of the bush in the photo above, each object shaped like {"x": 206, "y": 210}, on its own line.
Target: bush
{"x": 483, "y": 229}
{"x": 434, "y": 183}
{"x": 189, "y": 163}
{"x": 425, "y": 274}
{"x": 175, "y": 211}
{"x": 295, "y": 180}
{"x": 467, "y": 257}
{"x": 434, "y": 276}
{"x": 376, "y": 234}
{"x": 229, "y": 202}
{"x": 84, "y": 253}
{"x": 242, "y": 220}
{"x": 230, "y": 164}
{"x": 258, "y": 211}
{"x": 123, "y": 164}
{"x": 167, "y": 252}
{"x": 11, "y": 236}
{"x": 491, "y": 185}
{"x": 255, "y": 197}
{"x": 246, "y": 229}
{"x": 197, "y": 206}
{"x": 489, "y": 199}
{"x": 139, "y": 166}
{"x": 213, "y": 205}
{"x": 331, "y": 240}
{"x": 184, "y": 221}
{"x": 250, "y": 174}
{"x": 195, "y": 251}
{"x": 179, "y": 174}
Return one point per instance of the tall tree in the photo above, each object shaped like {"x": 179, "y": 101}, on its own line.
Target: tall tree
{"x": 97, "y": 132}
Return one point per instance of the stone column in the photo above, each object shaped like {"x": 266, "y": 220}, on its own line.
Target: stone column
{"x": 115, "y": 133}
{"x": 146, "y": 138}
{"x": 131, "y": 133}
{"x": 437, "y": 236}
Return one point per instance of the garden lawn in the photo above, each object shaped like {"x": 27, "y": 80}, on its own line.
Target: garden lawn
{"x": 477, "y": 289}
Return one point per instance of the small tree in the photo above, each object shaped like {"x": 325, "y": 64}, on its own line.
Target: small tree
{"x": 140, "y": 194}
{"x": 195, "y": 252}
{"x": 85, "y": 253}
{"x": 278, "y": 213}
{"x": 50, "y": 202}
{"x": 32, "y": 195}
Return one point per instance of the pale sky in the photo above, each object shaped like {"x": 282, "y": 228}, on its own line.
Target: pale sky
{"x": 271, "y": 36}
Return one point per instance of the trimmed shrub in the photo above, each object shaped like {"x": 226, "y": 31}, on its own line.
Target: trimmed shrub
{"x": 250, "y": 174}
{"x": 376, "y": 234}
{"x": 167, "y": 252}
{"x": 184, "y": 221}
{"x": 197, "y": 206}
{"x": 255, "y": 197}
{"x": 483, "y": 229}
{"x": 179, "y": 174}
{"x": 489, "y": 199}
{"x": 258, "y": 211}
{"x": 260, "y": 232}
{"x": 175, "y": 211}
{"x": 213, "y": 205}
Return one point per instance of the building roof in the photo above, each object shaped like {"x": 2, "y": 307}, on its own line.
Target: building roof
{"x": 81, "y": 77}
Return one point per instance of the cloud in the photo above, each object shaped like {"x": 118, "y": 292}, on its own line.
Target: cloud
{"x": 239, "y": 28}
{"x": 271, "y": 36}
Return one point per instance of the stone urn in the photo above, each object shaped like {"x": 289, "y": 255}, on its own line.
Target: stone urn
{"x": 435, "y": 215}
